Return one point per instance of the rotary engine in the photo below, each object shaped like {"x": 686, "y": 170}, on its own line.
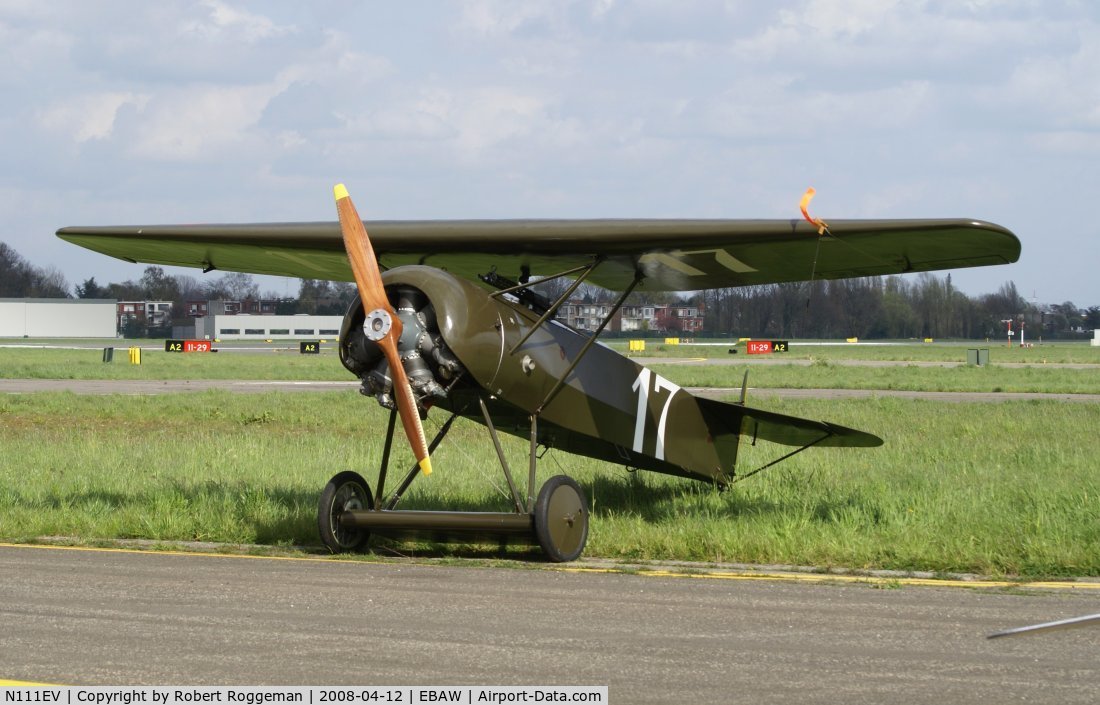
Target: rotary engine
{"x": 429, "y": 363}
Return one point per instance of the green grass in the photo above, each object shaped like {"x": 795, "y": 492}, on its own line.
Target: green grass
{"x": 276, "y": 362}
{"x": 902, "y": 351}
{"x": 989, "y": 488}
{"x": 1000, "y": 489}
{"x": 273, "y": 363}
{"x": 823, "y": 374}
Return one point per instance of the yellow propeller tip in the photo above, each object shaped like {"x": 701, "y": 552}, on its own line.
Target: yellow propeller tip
{"x": 426, "y": 466}
{"x": 340, "y": 191}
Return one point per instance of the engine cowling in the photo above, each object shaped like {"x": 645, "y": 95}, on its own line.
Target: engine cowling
{"x": 429, "y": 363}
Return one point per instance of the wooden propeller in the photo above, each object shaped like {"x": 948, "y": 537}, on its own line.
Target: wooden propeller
{"x": 382, "y": 324}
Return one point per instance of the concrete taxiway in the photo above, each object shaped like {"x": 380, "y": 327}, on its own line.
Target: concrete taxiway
{"x": 87, "y": 617}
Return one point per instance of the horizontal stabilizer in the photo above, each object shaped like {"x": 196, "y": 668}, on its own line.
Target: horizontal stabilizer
{"x": 783, "y": 429}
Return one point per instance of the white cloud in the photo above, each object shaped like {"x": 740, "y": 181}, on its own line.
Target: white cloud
{"x": 226, "y": 23}
{"x": 839, "y": 20}
{"x": 198, "y": 122}
{"x": 90, "y": 117}
{"x": 1060, "y": 87}
{"x": 30, "y": 52}
{"x": 496, "y": 18}
{"x": 234, "y": 109}
{"x": 479, "y": 126}
{"x": 1073, "y": 143}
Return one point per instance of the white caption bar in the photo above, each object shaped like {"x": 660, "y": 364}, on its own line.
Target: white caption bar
{"x": 311, "y": 695}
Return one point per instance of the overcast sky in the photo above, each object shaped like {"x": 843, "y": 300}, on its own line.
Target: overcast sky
{"x": 230, "y": 111}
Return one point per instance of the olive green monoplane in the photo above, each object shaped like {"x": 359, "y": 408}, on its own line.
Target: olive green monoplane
{"x": 457, "y": 321}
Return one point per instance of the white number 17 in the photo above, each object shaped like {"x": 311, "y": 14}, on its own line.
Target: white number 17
{"x": 641, "y": 385}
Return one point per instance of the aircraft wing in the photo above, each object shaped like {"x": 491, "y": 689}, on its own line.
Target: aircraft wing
{"x": 674, "y": 255}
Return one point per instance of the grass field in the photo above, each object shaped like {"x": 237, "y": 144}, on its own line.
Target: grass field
{"x": 1001, "y": 489}
{"x": 277, "y": 362}
{"x": 823, "y": 374}
{"x": 899, "y": 350}
{"x": 32, "y": 363}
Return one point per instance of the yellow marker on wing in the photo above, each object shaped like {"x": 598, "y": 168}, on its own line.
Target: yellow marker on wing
{"x": 804, "y": 206}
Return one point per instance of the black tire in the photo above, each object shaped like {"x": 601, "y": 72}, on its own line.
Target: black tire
{"x": 345, "y": 491}
{"x": 561, "y": 519}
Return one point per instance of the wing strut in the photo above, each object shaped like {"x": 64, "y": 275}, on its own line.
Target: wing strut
{"x": 550, "y": 312}
{"x": 738, "y": 478}
{"x": 638, "y": 276}
{"x": 517, "y": 501}
{"x": 379, "y": 491}
{"x": 392, "y": 501}
{"x": 559, "y": 275}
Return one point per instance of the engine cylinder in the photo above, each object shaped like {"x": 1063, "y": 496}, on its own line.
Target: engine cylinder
{"x": 428, "y": 362}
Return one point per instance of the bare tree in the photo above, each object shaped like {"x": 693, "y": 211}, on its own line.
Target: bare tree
{"x": 19, "y": 278}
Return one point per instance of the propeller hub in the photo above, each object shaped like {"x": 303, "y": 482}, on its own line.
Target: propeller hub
{"x": 377, "y": 324}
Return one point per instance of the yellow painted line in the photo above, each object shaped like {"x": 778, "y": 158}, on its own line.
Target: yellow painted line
{"x": 155, "y": 552}
{"x": 833, "y": 578}
{"x": 24, "y": 684}
{"x": 644, "y": 572}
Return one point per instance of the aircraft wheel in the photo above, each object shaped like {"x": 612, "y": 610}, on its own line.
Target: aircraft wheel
{"x": 561, "y": 519}
{"x": 345, "y": 491}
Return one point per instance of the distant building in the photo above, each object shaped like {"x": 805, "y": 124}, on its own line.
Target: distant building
{"x": 679, "y": 319}
{"x": 643, "y": 318}
{"x": 254, "y": 307}
{"x": 636, "y": 319}
{"x": 248, "y": 327}
{"x": 147, "y": 314}
{"x": 582, "y": 315}
{"x": 57, "y": 318}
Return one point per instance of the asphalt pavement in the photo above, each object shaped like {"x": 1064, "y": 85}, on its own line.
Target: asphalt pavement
{"x": 80, "y": 617}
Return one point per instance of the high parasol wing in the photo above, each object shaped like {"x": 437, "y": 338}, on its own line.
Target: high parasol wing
{"x": 674, "y": 255}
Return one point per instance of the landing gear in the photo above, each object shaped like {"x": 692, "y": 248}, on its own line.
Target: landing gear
{"x": 558, "y": 523}
{"x": 346, "y": 492}
{"x": 557, "y": 520}
{"x": 561, "y": 519}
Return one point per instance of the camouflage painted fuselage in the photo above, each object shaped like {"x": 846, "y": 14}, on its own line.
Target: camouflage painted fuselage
{"x": 609, "y": 407}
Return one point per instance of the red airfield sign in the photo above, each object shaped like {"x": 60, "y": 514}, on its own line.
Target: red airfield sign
{"x": 765, "y": 347}
{"x": 187, "y": 346}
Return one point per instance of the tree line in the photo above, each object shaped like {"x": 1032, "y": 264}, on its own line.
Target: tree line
{"x": 20, "y": 279}
{"x": 926, "y": 306}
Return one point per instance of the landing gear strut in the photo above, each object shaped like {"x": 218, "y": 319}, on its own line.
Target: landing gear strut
{"x": 556, "y": 521}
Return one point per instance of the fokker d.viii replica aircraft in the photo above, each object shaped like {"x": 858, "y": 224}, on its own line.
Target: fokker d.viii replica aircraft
{"x": 456, "y": 321}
